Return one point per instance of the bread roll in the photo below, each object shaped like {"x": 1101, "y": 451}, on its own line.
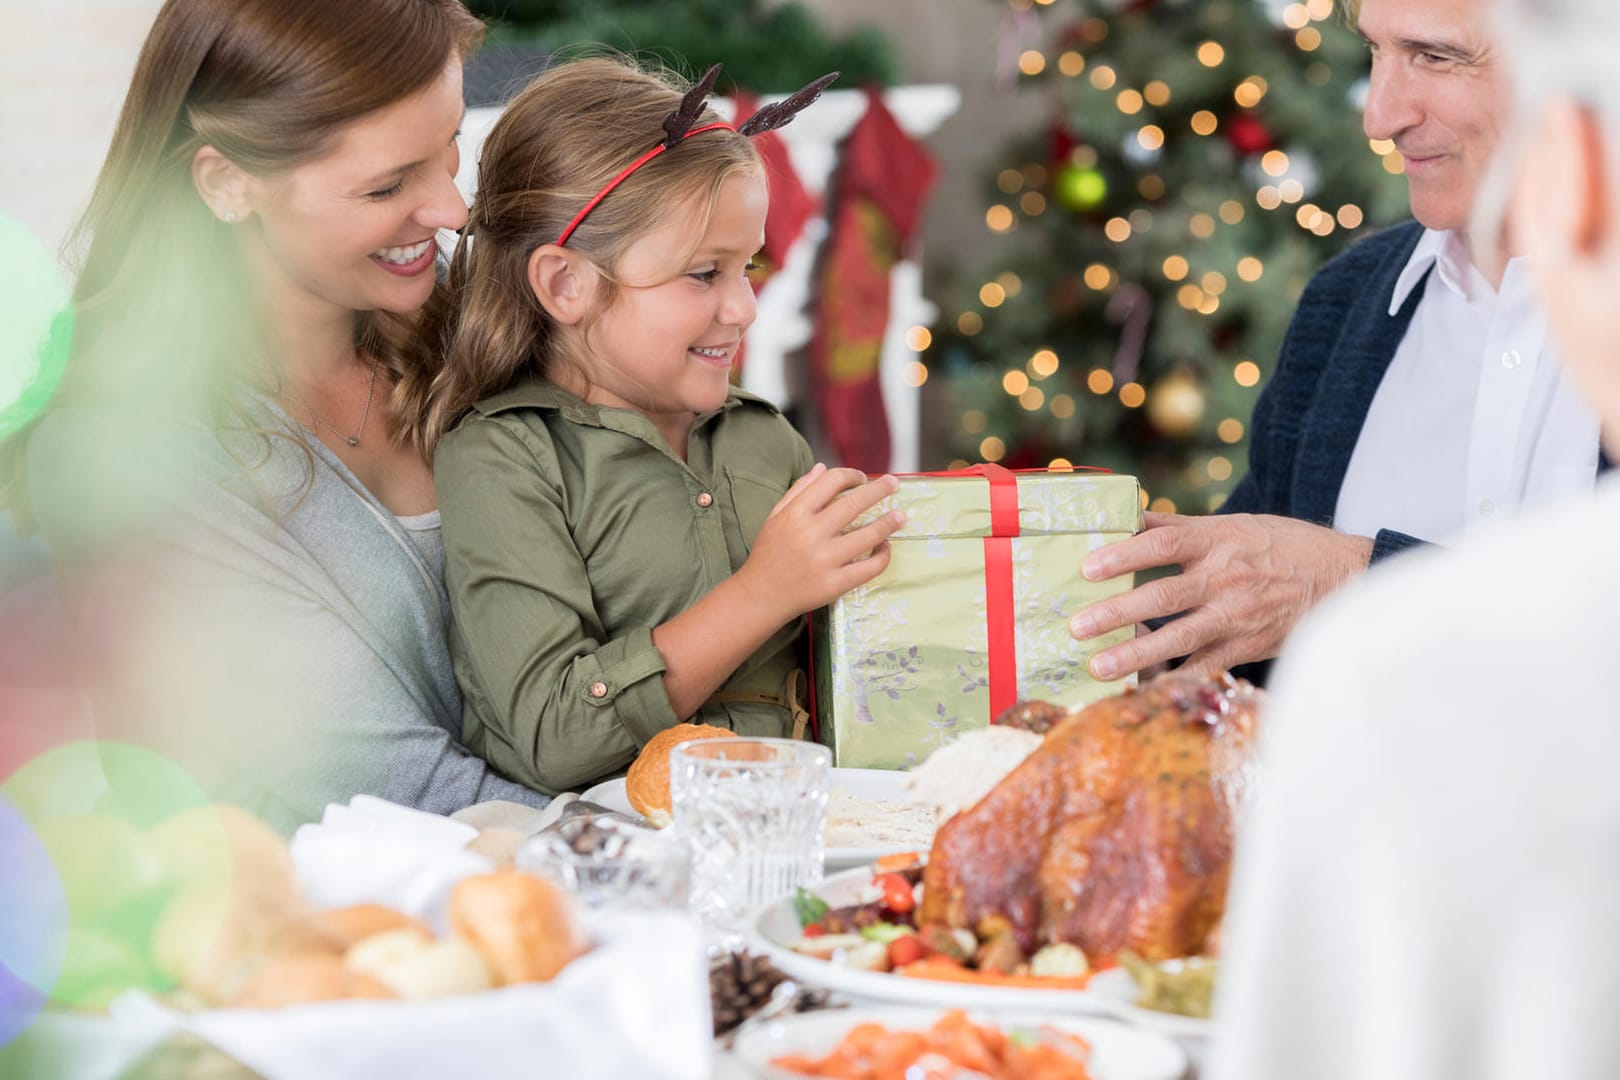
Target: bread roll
{"x": 236, "y": 900}
{"x": 213, "y": 936}
{"x": 523, "y": 927}
{"x": 344, "y": 927}
{"x": 303, "y": 978}
{"x": 416, "y": 966}
{"x": 378, "y": 951}
{"x": 216, "y": 842}
{"x": 647, "y": 783}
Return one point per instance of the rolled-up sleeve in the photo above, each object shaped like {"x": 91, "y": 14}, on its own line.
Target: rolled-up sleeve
{"x": 556, "y": 703}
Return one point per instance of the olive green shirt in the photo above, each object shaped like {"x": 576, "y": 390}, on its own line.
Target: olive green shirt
{"x": 570, "y": 532}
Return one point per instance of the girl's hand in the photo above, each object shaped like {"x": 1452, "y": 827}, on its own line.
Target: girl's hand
{"x": 804, "y": 557}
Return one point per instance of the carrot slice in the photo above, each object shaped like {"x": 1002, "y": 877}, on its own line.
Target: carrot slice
{"x": 948, "y": 970}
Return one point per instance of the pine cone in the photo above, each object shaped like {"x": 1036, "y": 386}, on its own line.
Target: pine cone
{"x": 740, "y": 983}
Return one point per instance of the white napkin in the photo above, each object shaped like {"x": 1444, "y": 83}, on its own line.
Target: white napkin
{"x": 602, "y": 1017}
{"x": 374, "y": 851}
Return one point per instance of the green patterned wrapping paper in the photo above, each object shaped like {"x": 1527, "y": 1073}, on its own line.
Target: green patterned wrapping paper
{"x": 901, "y": 661}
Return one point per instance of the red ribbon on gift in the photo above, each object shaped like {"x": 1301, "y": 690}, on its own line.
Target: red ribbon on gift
{"x": 999, "y": 614}
{"x": 998, "y": 587}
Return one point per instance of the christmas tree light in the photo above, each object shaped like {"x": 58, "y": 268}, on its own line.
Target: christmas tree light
{"x": 1203, "y": 158}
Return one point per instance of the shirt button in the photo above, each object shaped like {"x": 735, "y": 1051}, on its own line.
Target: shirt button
{"x": 1487, "y": 508}
{"x": 598, "y": 689}
{"x": 1511, "y": 358}
{"x": 705, "y": 499}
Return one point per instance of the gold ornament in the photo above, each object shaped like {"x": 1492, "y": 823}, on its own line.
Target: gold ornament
{"x": 1176, "y": 404}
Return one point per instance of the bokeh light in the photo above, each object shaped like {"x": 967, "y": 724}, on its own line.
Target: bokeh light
{"x": 36, "y": 326}
{"x": 126, "y": 831}
{"x": 33, "y": 931}
{"x": 1043, "y": 364}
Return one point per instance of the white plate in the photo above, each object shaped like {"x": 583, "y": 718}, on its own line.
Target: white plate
{"x": 1117, "y": 985}
{"x": 879, "y": 785}
{"x": 776, "y": 929}
{"x": 1118, "y": 1052}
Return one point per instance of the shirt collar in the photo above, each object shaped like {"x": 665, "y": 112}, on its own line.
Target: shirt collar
{"x": 1446, "y": 252}
{"x": 536, "y": 393}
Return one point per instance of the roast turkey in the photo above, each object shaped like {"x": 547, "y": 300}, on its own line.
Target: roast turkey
{"x": 1116, "y": 833}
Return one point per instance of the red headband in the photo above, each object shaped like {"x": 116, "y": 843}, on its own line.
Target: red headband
{"x": 624, "y": 174}
{"x": 678, "y": 125}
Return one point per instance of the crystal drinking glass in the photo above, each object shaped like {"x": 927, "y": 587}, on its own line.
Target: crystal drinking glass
{"x": 753, "y": 812}
{"x": 610, "y": 867}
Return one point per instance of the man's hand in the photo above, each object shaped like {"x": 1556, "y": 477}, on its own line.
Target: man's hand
{"x": 1245, "y": 580}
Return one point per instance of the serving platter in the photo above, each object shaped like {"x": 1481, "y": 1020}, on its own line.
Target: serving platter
{"x": 776, "y": 929}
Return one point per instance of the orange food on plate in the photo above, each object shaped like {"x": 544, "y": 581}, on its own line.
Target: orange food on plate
{"x": 872, "y": 1052}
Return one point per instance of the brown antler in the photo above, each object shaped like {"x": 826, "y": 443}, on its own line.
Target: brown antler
{"x": 771, "y": 117}
{"x": 679, "y": 122}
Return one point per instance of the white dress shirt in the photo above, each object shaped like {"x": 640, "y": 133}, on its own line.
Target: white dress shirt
{"x": 1427, "y": 886}
{"x": 1474, "y": 418}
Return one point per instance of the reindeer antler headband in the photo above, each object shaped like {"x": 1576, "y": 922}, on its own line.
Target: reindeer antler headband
{"x": 678, "y": 127}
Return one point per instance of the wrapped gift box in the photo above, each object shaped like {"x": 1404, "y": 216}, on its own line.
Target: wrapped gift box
{"x": 972, "y": 613}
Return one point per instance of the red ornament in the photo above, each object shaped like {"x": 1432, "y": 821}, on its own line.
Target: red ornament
{"x": 1060, "y": 143}
{"x": 1248, "y": 135}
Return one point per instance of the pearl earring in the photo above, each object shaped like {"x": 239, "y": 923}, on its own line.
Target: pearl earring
{"x": 230, "y": 216}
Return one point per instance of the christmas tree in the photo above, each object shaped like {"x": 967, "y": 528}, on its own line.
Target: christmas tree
{"x": 1204, "y": 158}
{"x": 766, "y": 47}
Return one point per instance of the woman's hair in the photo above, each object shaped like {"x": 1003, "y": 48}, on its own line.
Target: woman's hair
{"x": 161, "y": 301}
{"x": 1549, "y": 48}
{"x": 559, "y": 142}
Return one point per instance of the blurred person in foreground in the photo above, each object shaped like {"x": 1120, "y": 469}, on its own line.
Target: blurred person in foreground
{"x": 1427, "y": 887}
{"x": 1416, "y": 396}
{"x": 246, "y": 541}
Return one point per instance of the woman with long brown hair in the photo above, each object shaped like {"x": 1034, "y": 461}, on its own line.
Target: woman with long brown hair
{"x": 251, "y": 268}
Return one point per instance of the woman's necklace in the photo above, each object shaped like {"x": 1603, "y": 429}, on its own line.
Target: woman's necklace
{"x": 352, "y": 440}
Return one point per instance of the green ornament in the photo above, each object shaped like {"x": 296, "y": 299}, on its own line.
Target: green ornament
{"x": 1077, "y": 188}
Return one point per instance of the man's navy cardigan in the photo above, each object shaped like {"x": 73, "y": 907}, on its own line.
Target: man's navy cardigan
{"x": 1305, "y": 426}
{"x": 1309, "y": 416}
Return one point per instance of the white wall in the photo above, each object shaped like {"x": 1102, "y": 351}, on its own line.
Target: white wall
{"x": 64, "y": 68}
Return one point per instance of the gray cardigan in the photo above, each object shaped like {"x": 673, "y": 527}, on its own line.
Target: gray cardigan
{"x": 289, "y": 643}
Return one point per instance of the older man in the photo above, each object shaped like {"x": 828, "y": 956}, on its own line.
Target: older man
{"x": 1426, "y": 885}
{"x": 1416, "y": 395}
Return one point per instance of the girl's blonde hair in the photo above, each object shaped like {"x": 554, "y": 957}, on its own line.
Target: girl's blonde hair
{"x": 161, "y": 302}
{"x": 557, "y": 144}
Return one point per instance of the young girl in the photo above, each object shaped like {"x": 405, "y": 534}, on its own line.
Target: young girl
{"x": 630, "y": 542}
